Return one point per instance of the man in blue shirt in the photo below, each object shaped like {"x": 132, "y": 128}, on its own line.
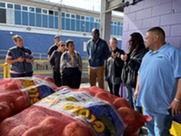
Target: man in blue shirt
{"x": 98, "y": 51}
{"x": 158, "y": 88}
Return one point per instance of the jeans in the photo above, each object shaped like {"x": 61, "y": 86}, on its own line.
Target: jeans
{"x": 130, "y": 98}
{"x": 160, "y": 124}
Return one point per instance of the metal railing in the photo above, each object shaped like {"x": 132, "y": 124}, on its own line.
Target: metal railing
{"x": 5, "y": 69}
{"x": 36, "y": 55}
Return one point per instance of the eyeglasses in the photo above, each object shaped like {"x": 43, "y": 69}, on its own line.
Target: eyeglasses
{"x": 19, "y": 40}
{"x": 62, "y": 45}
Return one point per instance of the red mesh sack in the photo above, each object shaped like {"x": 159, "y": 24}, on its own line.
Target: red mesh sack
{"x": 17, "y": 94}
{"x": 84, "y": 111}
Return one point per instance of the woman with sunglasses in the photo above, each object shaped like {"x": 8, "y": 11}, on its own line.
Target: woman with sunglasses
{"x": 55, "y": 62}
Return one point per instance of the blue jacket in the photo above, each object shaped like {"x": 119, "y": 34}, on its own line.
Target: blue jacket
{"x": 15, "y": 53}
{"x": 97, "y": 52}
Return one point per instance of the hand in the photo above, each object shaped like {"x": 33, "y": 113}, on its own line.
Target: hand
{"x": 20, "y": 59}
{"x": 114, "y": 55}
{"x": 175, "y": 107}
{"x": 135, "y": 94}
{"x": 29, "y": 60}
{"x": 124, "y": 57}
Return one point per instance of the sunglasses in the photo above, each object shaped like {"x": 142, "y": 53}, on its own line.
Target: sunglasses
{"x": 62, "y": 45}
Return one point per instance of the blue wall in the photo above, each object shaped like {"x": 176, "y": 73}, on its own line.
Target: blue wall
{"x": 38, "y": 42}
{"x": 41, "y": 42}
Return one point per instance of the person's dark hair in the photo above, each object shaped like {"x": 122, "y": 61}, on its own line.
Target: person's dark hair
{"x": 137, "y": 41}
{"x": 68, "y": 42}
{"x": 157, "y": 30}
{"x": 95, "y": 30}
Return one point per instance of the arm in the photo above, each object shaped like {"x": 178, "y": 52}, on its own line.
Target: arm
{"x": 137, "y": 87}
{"x": 80, "y": 62}
{"x": 10, "y": 60}
{"x": 52, "y": 60}
{"x": 30, "y": 59}
{"x": 62, "y": 61}
{"x": 118, "y": 61}
{"x": 175, "y": 106}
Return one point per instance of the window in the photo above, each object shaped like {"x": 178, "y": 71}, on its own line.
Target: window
{"x": 31, "y": 19}
{"x": 24, "y": 18}
{"x": 67, "y": 15}
{"x": 91, "y": 19}
{"x": 77, "y": 17}
{"x": 31, "y": 9}
{"x": 38, "y": 20}
{"x": 82, "y": 17}
{"x": 77, "y": 25}
{"x": 56, "y": 22}
{"x": 10, "y": 6}
{"x": 50, "y": 12}
{"x": 2, "y": 4}
{"x": 72, "y": 16}
{"x": 17, "y": 7}
{"x": 18, "y": 17}
{"x": 10, "y": 15}
{"x": 51, "y": 21}
{"x": 56, "y": 13}
{"x": 44, "y": 11}
{"x": 87, "y": 18}
{"x": 2, "y": 15}
{"x": 63, "y": 14}
{"x": 45, "y": 21}
{"x": 67, "y": 27}
{"x": 63, "y": 23}
{"x": 25, "y": 8}
{"x": 72, "y": 24}
{"x": 38, "y": 10}
{"x": 96, "y": 20}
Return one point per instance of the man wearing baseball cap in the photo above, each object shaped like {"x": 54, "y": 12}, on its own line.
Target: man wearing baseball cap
{"x": 54, "y": 46}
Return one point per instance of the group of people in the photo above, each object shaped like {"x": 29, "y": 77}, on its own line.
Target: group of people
{"x": 66, "y": 63}
{"x": 150, "y": 70}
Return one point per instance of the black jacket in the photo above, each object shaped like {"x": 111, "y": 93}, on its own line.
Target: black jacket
{"x": 55, "y": 60}
{"x": 131, "y": 67}
{"x": 114, "y": 67}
